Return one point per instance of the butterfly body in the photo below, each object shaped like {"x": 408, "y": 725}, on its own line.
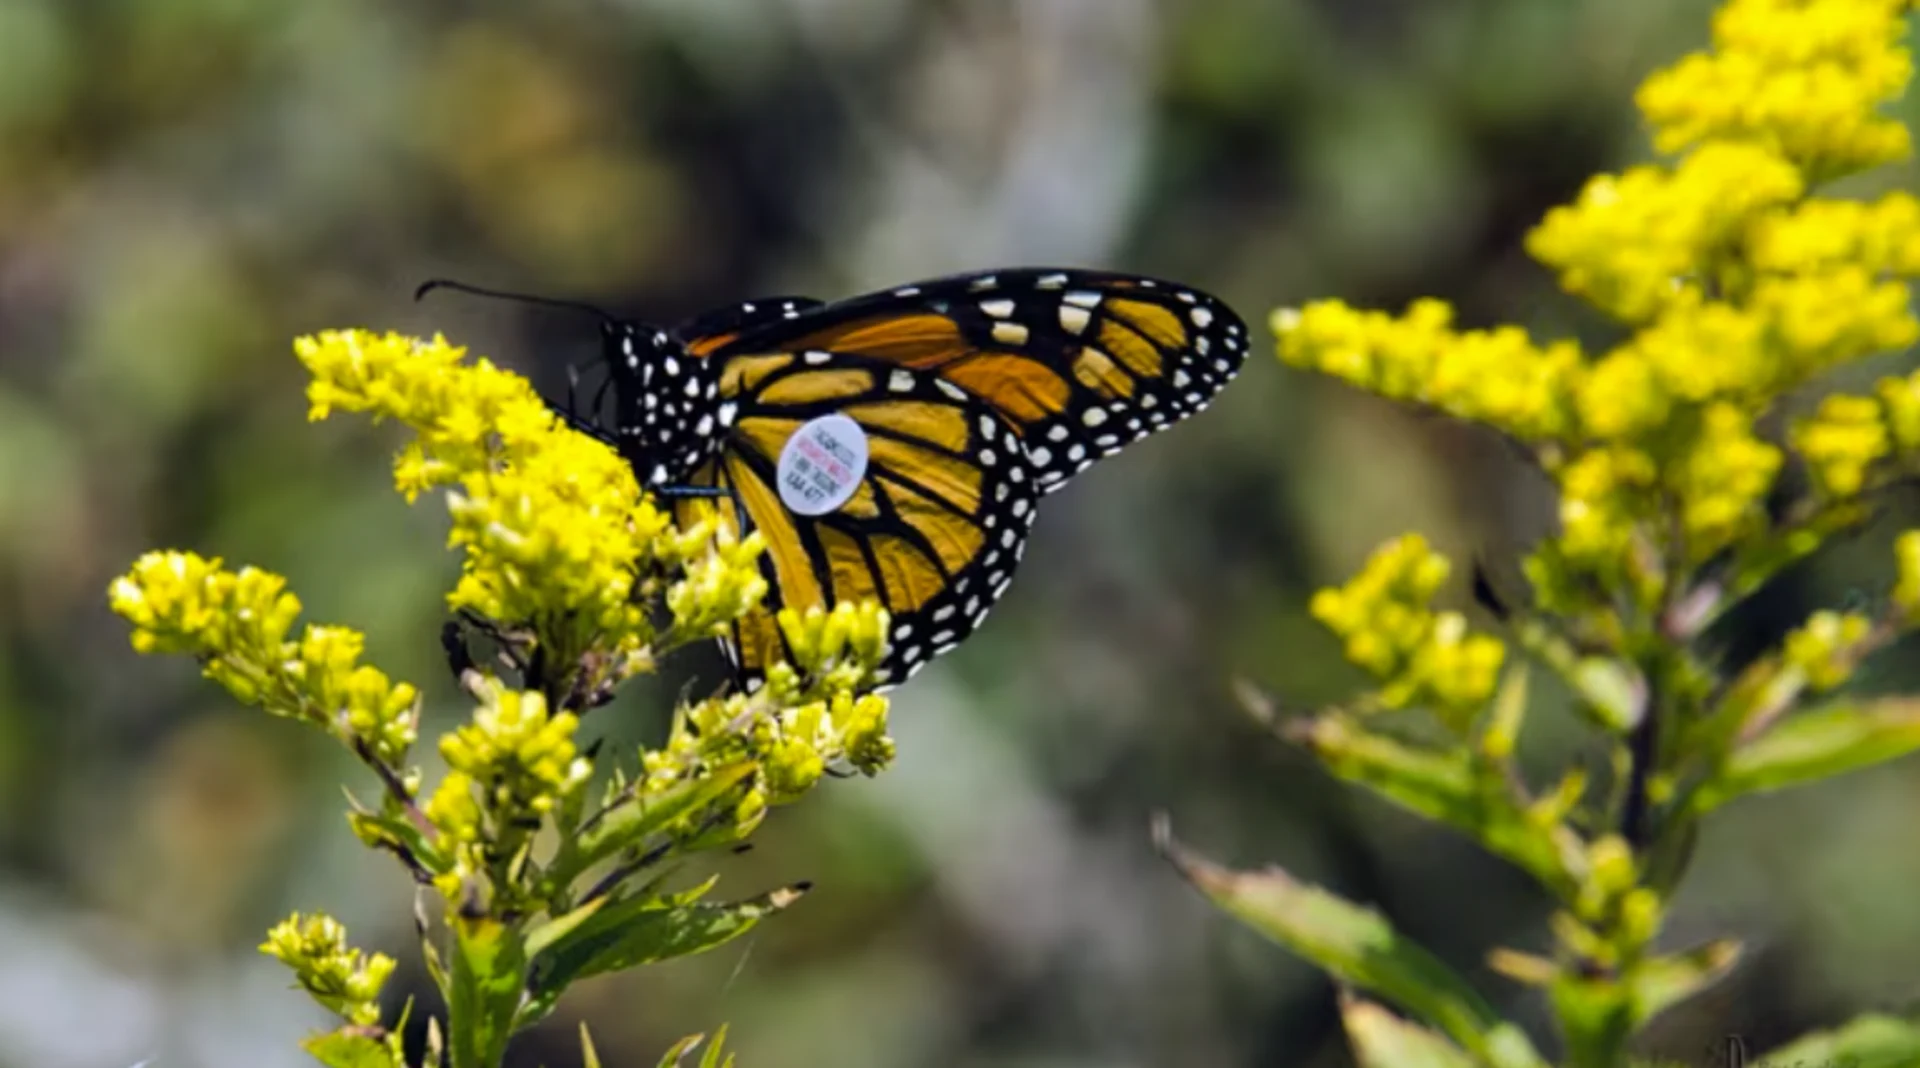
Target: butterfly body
{"x": 894, "y": 446}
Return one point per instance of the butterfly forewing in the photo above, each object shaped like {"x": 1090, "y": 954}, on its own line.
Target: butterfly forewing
{"x": 1080, "y": 363}
{"x": 973, "y": 395}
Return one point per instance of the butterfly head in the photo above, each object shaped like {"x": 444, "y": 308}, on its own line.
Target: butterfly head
{"x": 668, "y": 416}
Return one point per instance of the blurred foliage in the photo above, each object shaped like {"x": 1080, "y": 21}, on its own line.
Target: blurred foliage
{"x": 184, "y": 184}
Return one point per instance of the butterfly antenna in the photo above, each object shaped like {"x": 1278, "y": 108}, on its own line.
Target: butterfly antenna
{"x": 432, "y": 284}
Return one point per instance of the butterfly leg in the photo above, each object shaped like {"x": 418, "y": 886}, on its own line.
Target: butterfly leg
{"x": 693, "y": 491}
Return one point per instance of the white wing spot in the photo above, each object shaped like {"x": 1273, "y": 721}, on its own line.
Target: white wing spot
{"x": 1077, "y": 453}
{"x": 900, "y": 381}
{"x": 1050, "y": 281}
{"x": 726, "y": 413}
{"x": 945, "y": 613}
{"x": 987, "y": 429}
{"x": 671, "y": 365}
{"x": 999, "y": 309}
{"x": 1058, "y": 433}
{"x": 951, "y": 390}
{"x": 1008, "y": 538}
{"x": 693, "y": 387}
{"x": 1074, "y": 320}
{"x": 907, "y": 291}
{"x": 816, "y": 357}
{"x": 1094, "y": 416}
{"x": 1010, "y": 333}
{"x": 705, "y": 427}
{"x": 1082, "y": 298}
{"x": 1107, "y": 441}
{"x": 1201, "y": 317}
{"x": 985, "y": 281}
{"x": 1185, "y": 296}
{"x": 1020, "y": 508}
{"x": 1181, "y": 379}
{"x": 987, "y": 458}
{"x": 903, "y": 632}
{"x": 1041, "y": 456}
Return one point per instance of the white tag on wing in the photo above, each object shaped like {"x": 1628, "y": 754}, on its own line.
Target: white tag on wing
{"x": 822, "y": 464}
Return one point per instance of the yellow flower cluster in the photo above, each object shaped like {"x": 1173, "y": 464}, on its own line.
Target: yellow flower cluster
{"x": 1496, "y": 377}
{"x": 803, "y": 720}
{"x": 1826, "y": 647}
{"x": 1854, "y": 443}
{"x": 1801, "y": 77}
{"x": 345, "y": 981}
{"x": 1636, "y": 242}
{"x": 1906, "y": 589}
{"x": 522, "y": 753}
{"x": 1738, "y": 285}
{"x": 1422, "y": 657}
{"x": 237, "y": 624}
{"x": 557, "y": 533}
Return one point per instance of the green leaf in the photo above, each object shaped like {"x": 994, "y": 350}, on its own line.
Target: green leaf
{"x": 1382, "y": 1040}
{"x": 1356, "y": 945}
{"x": 625, "y": 934}
{"x": 711, "y": 1059}
{"x": 630, "y": 823}
{"x": 677, "y": 1052}
{"x": 590, "y": 1057}
{"x": 1450, "y": 787}
{"x": 351, "y": 1049}
{"x": 1865, "y": 1042}
{"x": 488, "y": 975}
{"x": 1661, "y": 982}
{"x": 1820, "y": 743}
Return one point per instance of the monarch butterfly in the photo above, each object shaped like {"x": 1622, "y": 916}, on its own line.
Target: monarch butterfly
{"x": 893, "y": 446}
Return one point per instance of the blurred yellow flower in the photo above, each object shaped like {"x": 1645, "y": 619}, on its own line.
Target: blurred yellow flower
{"x": 1803, "y": 79}
{"x": 1422, "y": 657}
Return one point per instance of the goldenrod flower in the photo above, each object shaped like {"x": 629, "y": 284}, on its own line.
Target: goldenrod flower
{"x": 1906, "y": 590}
{"x": 1841, "y": 441}
{"x": 557, "y": 535}
{"x": 1384, "y": 615}
{"x": 519, "y": 752}
{"x": 1636, "y": 242}
{"x": 238, "y": 623}
{"x": 1803, "y": 79}
{"x": 1497, "y": 377}
{"x": 345, "y": 981}
{"x": 1823, "y": 648}
{"x": 1604, "y": 493}
{"x": 1721, "y": 480}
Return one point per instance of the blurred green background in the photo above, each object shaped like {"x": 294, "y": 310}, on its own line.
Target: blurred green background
{"x": 187, "y": 184}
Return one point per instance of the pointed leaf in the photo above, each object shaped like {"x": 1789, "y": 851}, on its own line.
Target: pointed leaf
{"x": 640, "y": 931}
{"x": 589, "y": 1057}
{"x": 350, "y": 1049}
{"x": 677, "y": 1052}
{"x": 1836, "y": 738}
{"x": 1356, "y": 945}
{"x": 1448, "y": 787}
{"x": 1662, "y": 982}
{"x": 488, "y": 975}
{"x": 711, "y": 1059}
{"x": 630, "y": 823}
{"x": 1382, "y": 1040}
{"x": 1865, "y": 1042}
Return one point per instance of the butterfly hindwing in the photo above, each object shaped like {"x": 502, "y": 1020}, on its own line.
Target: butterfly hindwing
{"x": 932, "y": 532}
{"x": 1080, "y": 363}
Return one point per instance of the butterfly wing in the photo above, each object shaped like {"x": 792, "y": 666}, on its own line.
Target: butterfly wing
{"x": 1081, "y": 363}
{"x": 932, "y": 530}
{"x": 976, "y": 394}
